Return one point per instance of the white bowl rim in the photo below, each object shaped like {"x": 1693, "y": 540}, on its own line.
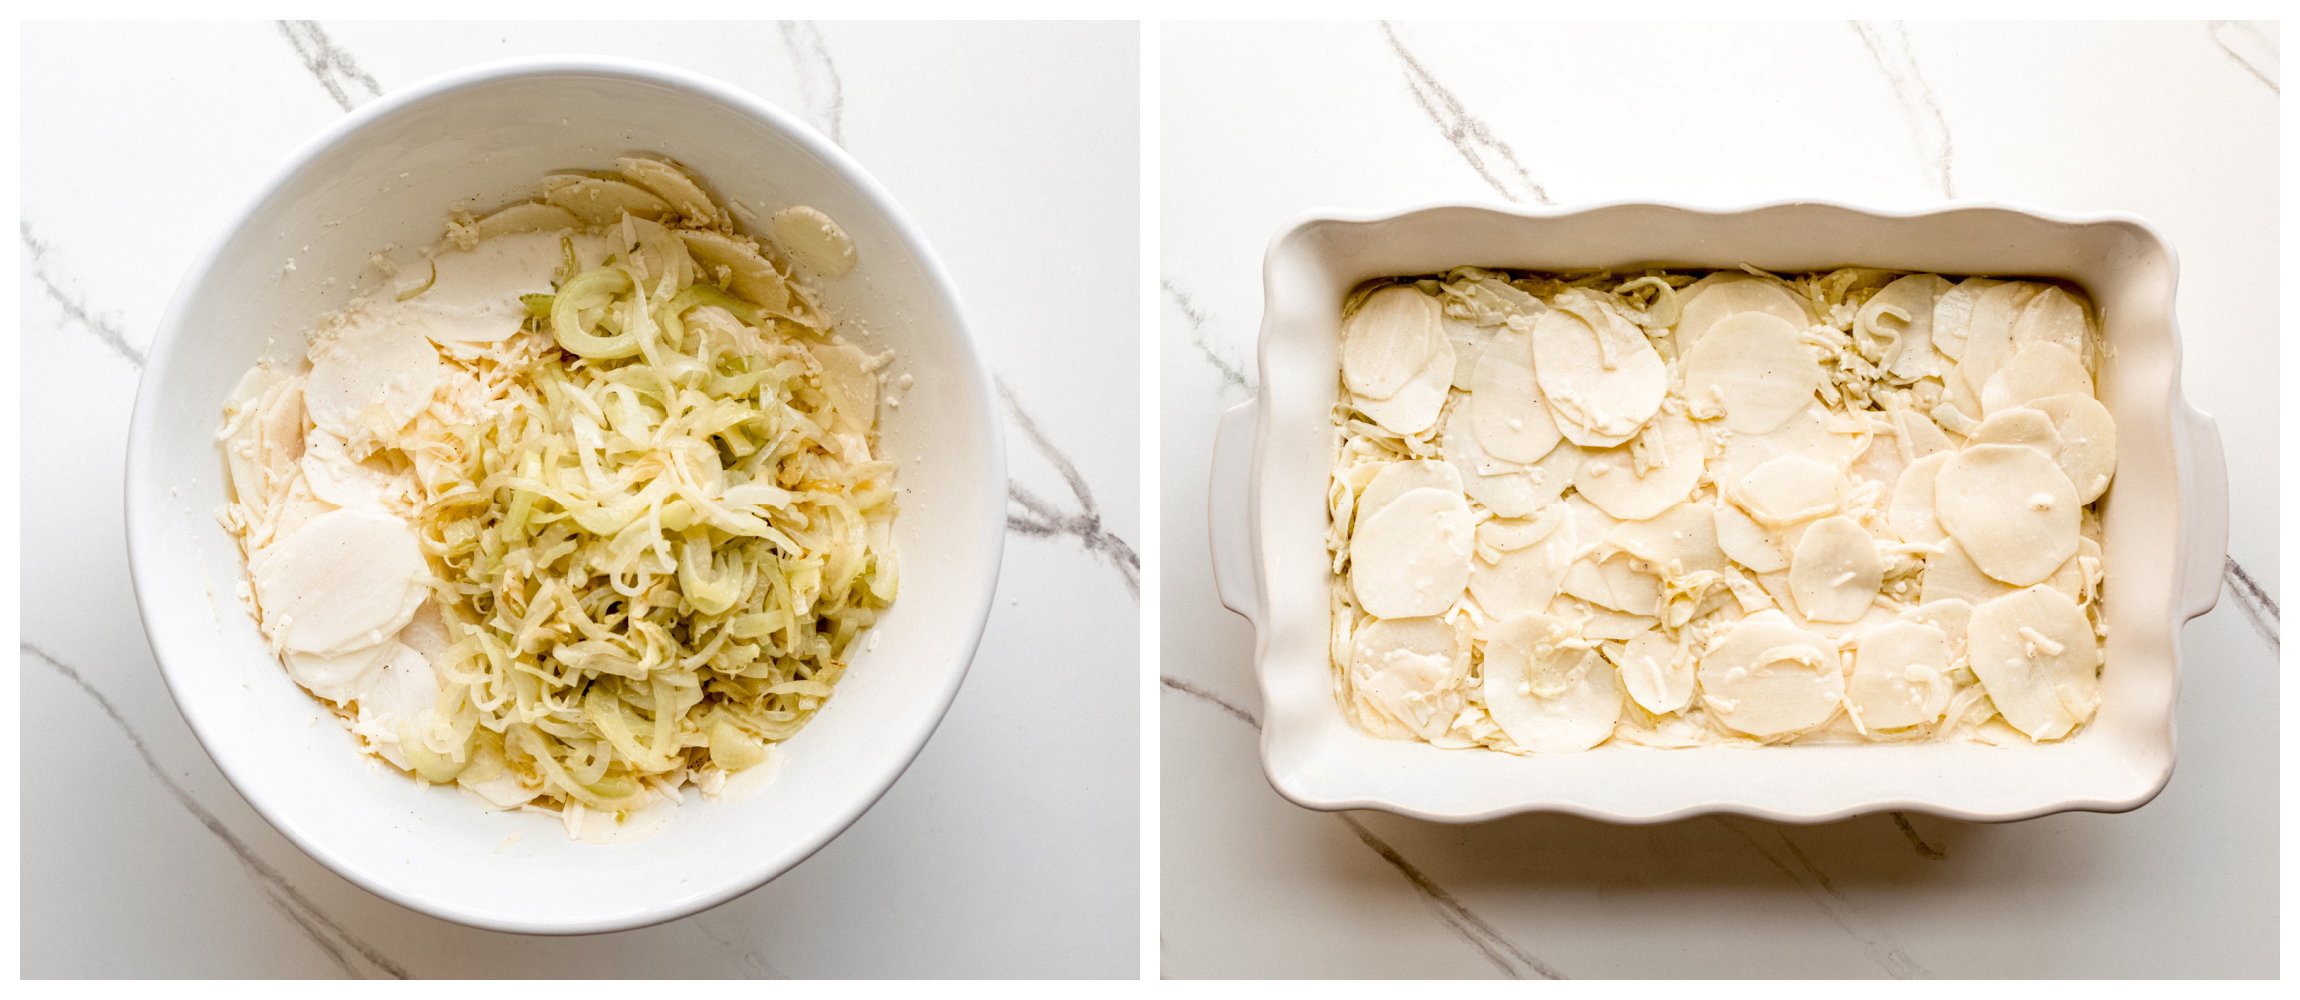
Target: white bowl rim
{"x": 142, "y": 517}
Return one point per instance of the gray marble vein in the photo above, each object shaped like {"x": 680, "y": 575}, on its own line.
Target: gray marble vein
{"x": 1888, "y": 44}
{"x": 1924, "y": 850}
{"x": 328, "y": 63}
{"x": 1513, "y": 961}
{"x": 1487, "y": 154}
{"x": 331, "y": 938}
{"x": 1817, "y": 885}
{"x": 106, "y": 329}
{"x": 2259, "y": 608}
{"x": 818, "y": 76}
{"x": 1209, "y": 697}
{"x": 747, "y": 958}
{"x": 1233, "y": 375}
{"x": 1040, "y": 518}
{"x": 2250, "y": 47}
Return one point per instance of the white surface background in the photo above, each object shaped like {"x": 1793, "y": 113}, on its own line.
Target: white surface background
{"x": 2177, "y": 123}
{"x": 1009, "y": 848}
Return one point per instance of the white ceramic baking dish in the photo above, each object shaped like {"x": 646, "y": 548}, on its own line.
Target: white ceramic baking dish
{"x": 2165, "y": 520}
{"x": 386, "y": 174}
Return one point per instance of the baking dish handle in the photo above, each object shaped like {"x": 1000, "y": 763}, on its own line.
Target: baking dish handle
{"x": 2203, "y": 510}
{"x": 1229, "y": 526}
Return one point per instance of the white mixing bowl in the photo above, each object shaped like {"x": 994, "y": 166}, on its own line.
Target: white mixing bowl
{"x": 386, "y": 174}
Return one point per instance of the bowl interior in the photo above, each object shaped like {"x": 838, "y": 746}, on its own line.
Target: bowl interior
{"x": 387, "y": 176}
{"x": 1316, "y": 758}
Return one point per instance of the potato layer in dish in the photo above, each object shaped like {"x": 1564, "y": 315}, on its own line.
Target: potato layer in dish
{"x": 1680, "y": 508}
{"x": 579, "y": 510}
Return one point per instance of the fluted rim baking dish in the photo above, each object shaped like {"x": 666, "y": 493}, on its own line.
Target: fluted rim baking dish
{"x": 2164, "y": 521}
{"x": 388, "y": 173}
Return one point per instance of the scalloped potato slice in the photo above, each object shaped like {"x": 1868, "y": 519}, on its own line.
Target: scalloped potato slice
{"x": 1672, "y": 453}
{"x": 1789, "y": 489}
{"x": 1549, "y": 698}
{"x": 2035, "y": 372}
{"x": 2035, "y": 653}
{"x": 749, "y": 274}
{"x": 2011, "y": 509}
{"x": 1767, "y": 677}
{"x": 1388, "y": 341}
{"x": 2087, "y": 452}
{"x": 1705, "y": 302}
{"x": 672, "y": 185}
{"x": 1902, "y": 314}
{"x": 600, "y": 202}
{"x": 1757, "y": 367}
{"x": 1505, "y": 405}
{"x": 1405, "y": 667}
{"x": 1399, "y": 478}
{"x": 526, "y": 217}
{"x": 1655, "y": 673}
{"x": 1600, "y": 395}
{"x": 1900, "y": 676}
{"x": 1411, "y": 559}
{"x": 1911, "y": 513}
{"x": 1953, "y": 315}
{"x": 818, "y": 244}
{"x": 1835, "y": 572}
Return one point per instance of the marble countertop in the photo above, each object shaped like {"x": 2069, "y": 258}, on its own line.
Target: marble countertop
{"x": 1010, "y": 848}
{"x": 2176, "y": 123}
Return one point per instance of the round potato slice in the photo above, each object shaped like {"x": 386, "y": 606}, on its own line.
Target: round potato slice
{"x": 1806, "y": 435}
{"x": 1747, "y": 542}
{"x": 1757, "y": 367}
{"x": 1505, "y": 405}
{"x": 1789, "y": 489}
{"x": 1953, "y": 315}
{"x": 1911, "y": 513}
{"x": 671, "y": 184}
{"x": 1767, "y": 677}
{"x": 602, "y": 202}
{"x": 1989, "y": 343}
{"x": 1835, "y": 572}
{"x": 1389, "y": 341}
{"x": 366, "y": 361}
{"x": 1399, "y": 478}
{"x": 1469, "y": 343}
{"x": 1600, "y": 394}
{"x": 2087, "y": 452}
{"x": 2011, "y": 509}
{"x": 748, "y": 272}
{"x": 529, "y": 217}
{"x": 1724, "y": 294}
{"x": 1548, "y": 699}
{"x": 1507, "y": 488}
{"x": 2053, "y": 317}
{"x": 1416, "y": 405}
{"x": 819, "y": 245}
{"x": 1951, "y": 576}
{"x": 1900, "y": 676}
{"x": 2035, "y": 654}
{"x": 2020, "y": 425}
{"x": 1674, "y": 453}
{"x": 1656, "y": 677}
{"x": 1405, "y": 667}
{"x": 1524, "y": 579}
{"x": 339, "y": 678}
{"x": 346, "y": 580}
{"x": 2036, "y": 371}
{"x": 1684, "y": 536}
{"x": 1909, "y": 351}
{"x": 1412, "y": 558}
{"x": 1950, "y": 616}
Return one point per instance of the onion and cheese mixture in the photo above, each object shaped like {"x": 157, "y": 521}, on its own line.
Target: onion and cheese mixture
{"x": 581, "y": 508}
{"x": 1680, "y": 508}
